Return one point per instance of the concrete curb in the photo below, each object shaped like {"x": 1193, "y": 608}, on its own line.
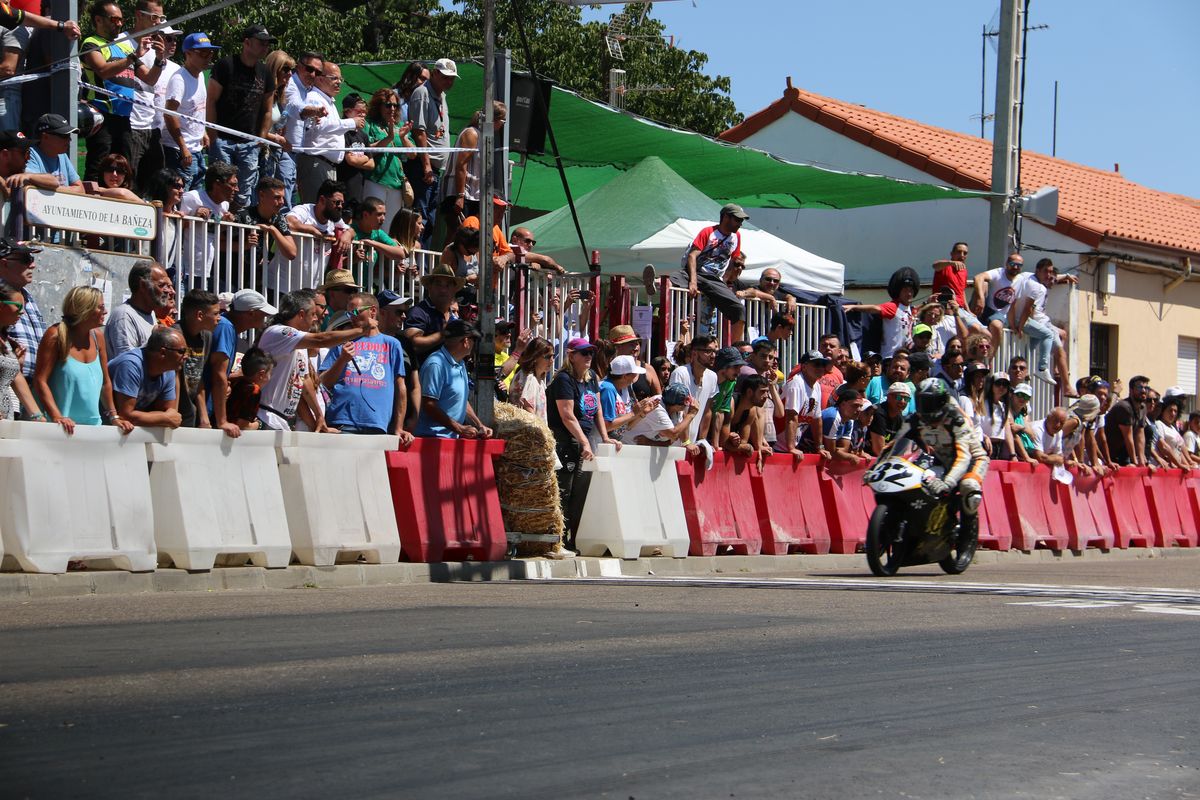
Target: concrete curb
{"x": 26, "y": 586}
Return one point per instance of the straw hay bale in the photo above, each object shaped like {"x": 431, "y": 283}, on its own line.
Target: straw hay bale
{"x": 525, "y": 478}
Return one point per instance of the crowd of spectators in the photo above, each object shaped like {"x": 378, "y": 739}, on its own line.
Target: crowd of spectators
{"x": 336, "y": 353}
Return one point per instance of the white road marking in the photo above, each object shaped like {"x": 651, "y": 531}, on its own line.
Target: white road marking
{"x": 1088, "y": 596}
{"x": 1169, "y": 610}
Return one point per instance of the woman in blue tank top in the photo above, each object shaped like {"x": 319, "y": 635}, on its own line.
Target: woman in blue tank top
{"x": 71, "y": 375}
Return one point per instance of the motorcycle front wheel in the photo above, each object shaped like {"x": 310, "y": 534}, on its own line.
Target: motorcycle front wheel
{"x": 883, "y": 551}
{"x": 964, "y": 547}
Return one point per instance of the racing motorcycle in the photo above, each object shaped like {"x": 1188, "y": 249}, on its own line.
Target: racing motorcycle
{"x": 909, "y": 527}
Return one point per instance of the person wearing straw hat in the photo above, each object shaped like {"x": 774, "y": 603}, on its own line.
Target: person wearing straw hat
{"x": 627, "y": 343}
{"x": 423, "y": 328}
{"x": 338, "y": 288}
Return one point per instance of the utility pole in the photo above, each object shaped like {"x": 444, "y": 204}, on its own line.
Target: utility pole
{"x": 64, "y": 82}
{"x": 485, "y": 360}
{"x": 1004, "y": 132}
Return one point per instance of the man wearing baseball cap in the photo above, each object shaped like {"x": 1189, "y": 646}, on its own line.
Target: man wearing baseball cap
{"x": 446, "y": 412}
{"x": 429, "y": 117}
{"x": 187, "y": 94}
{"x": 14, "y": 156}
{"x": 49, "y": 157}
{"x": 704, "y": 264}
{"x": 802, "y": 405}
{"x": 240, "y": 92}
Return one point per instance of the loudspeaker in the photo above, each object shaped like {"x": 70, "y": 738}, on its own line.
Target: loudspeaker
{"x": 527, "y": 116}
{"x": 1042, "y": 205}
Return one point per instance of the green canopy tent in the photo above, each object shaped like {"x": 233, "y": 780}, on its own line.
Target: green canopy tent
{"x": 649, "y": 215}
{"x": 597, "y": 142}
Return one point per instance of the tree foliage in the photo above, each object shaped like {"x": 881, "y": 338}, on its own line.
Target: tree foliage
{"x": 564, "y": 48}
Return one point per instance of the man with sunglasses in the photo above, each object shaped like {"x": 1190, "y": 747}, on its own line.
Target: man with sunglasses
{"x": 143, "y": 380}
{"x": 768, "y": 289}
{"x": 114, "y": 62}
{"x": 524, "y": 238}
{"x": 241, "y": 90}
{"x": 324, "y": 138}
{"x": 322, "y": 219}
{"x": 298, "y": 110}
{"x": 187, "y": 94}
{"x": 430, "y": 120}
{"x": 145, "y": 139}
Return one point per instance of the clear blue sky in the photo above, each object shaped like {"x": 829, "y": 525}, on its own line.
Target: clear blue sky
{"x": 1129, "y": 85}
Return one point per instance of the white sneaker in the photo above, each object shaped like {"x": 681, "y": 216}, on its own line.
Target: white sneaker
{"x": 559, "y": 553}
{"x": 1044, "y": 375}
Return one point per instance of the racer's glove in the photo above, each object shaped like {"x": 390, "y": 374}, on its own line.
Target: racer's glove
{"x": 935, "y": 486}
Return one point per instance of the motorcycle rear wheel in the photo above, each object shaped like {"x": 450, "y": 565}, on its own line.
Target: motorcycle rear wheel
{"x": 883, "y": 551}
{"x": 964, "y": 548}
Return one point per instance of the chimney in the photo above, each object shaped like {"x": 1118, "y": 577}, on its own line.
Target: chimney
{"x": 1117, "y": 167}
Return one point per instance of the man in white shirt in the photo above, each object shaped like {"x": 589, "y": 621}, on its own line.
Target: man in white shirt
{"x": 211, "y": 204}
{"x": 324, "y": 135}
{"x": 1047, "y": 435}
{"x": 1027, "y": 315}
{"x": 323, "y": 221}
{"x": 288, "y": 340}
{"x": 802, "y": 403}
{"x": 187, "y": 94}
{"x": 145, "y": 144}
{"x": 701, "y": 383}
{"x": 994, "y": 292}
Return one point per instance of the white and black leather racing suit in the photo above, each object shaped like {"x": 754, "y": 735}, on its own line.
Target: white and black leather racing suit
{"x": 953, "y": 442}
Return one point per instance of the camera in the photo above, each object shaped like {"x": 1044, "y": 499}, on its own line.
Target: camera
{"x": 585, "y": 294}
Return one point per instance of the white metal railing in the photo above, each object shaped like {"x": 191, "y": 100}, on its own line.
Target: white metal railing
{"x": 1012, "y": 346}
{"x": 91, "y": 241}
{"x": 701, "y": 319}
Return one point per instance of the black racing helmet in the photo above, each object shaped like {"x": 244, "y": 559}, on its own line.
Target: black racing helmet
{"x": 933, "y": 400}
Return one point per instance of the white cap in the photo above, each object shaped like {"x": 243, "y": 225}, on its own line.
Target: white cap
{"x": 625, "y": 365}
{"x": 447, "y": 67}
{"x": 250, "y": 300}
{"x": 1023, "y": 388}
{"x": 1174, "y": 391}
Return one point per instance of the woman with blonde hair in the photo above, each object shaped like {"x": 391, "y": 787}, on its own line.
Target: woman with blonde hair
{"x": 277, "y": 162}
{"x": 385, "y": 128}
{"x": 71, "y": 374}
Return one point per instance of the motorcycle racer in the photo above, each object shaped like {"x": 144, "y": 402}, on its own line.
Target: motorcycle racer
{"x": 947, "y": 435}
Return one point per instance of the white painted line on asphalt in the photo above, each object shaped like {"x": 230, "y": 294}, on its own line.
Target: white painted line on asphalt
{"x": 1069, "y": 603}
{"x": 1183, "y": 597}
{"x": 1195, "y": 612}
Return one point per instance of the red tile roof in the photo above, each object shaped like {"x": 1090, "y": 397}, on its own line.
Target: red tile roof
{"x": 1094, "y": 204}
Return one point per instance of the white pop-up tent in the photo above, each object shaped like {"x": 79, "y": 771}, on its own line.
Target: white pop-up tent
{"x": 649, "y": 215}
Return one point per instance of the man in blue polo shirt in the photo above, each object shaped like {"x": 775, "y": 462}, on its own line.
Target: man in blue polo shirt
{"x": 445, "y": 411}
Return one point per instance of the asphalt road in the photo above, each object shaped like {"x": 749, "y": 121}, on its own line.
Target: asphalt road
{"x": 545, "y": 690}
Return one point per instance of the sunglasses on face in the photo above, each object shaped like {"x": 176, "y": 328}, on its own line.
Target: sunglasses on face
{"x": 155, "y": 17}
{"x": 18, "y": 306}
{"x": 391, "y": 105}
{"x": 118, "y": 170}
{"x": 312, "y": 70}
{"x": 770, "y": 280}
{"x": 176, "y": 350}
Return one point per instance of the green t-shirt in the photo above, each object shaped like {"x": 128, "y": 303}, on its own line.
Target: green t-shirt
{"x": 379, "y": 235}
{"x": 389, "y": 167}
{"x": 723, "y": 401}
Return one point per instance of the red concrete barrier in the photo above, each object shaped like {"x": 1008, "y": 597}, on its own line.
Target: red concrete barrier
{"x": 447, "y": 507}
{"x": 995, "y": 531}
{"x": 848, "y": 507}
{"x": 1170, "y": 499}
{"x": 720, "y": 504}
{"x": 1129, "y": 506}
{"x": 790, "y": 489}
{"x": 1090, "y": 521}
{"x": 1036, "y": 516}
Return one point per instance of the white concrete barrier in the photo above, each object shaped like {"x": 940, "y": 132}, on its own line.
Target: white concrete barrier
{"x": 76, "y": 498}
{"x": 218, "y": 499}
{"x": 633, "y": 505}
{"x": 338, "y": 499}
